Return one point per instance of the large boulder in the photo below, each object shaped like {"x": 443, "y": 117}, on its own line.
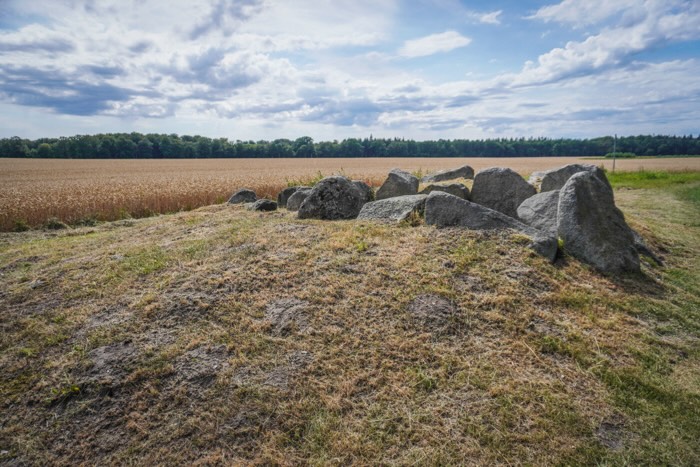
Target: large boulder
{"x": 443, "y": 175}
{"x": 243, "y": 196}
{"x": 500, "y": 189}
{"x": 445, "y": 210}
{"x": 298, "y": 197}
{"x": 263, "y": 205}
{"x": 332, "y": 198}
{"x": 456, "y": 189}
{"x": 284, "y": 195}
{"x": 540, "y": 211}
{"x": 398, "y": 183}
{"x": 592, "y": 228}
{"x": 367, "y": 192}
{"x": 397, "y": 209}
{"x": 555, "y": 179}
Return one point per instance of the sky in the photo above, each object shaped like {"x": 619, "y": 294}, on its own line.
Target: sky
{"x": 335, "y": 69}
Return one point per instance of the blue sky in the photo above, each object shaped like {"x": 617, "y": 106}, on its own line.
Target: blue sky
{"x": 421, "y": 69}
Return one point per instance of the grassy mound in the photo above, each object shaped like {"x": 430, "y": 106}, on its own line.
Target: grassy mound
{"x": 225, "y": 336}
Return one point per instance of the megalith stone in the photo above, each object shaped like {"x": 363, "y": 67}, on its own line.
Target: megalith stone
{"x": 393, "y": 209}
{"x": 284, "y": 195}
{"x": 367, "y": 192}
{"x": 444, "y": 210}
{"x": 452, "y": 174}
{"x": 592, "y": 228}
{"x": 540, "y": 211}
{"x": 555, "y": 179}
{"x": 398, "y": 183}
{"x": 243, "y": 196}
{"x": 263, "y": 205}
{"x": 456, "y": 189}
{"x": 298, "y": 197}
{"x": 500, "y": 189}
{"x": 332, "y": 198}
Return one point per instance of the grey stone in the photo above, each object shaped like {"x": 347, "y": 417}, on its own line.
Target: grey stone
{"x": 332, "y": 198}
{"x": 461, "y": 172}
{"x": 555, "y": 179}
{"x": 243, "y": 196}
{"x": 500, "y": 189}
{"x": 295, "y": 200}
{"x": 284, "y": 195}
{"x": 367, "y": 192}
{"x": 592, "y": 228}
{"x": 395, "y": 209}
{"x": 263, "y": 205}
{"x": 398, "y": 183}
{"x": 445, "y": 210}
{"x": 456, "y": 189}
{"x": 540, "y": 211}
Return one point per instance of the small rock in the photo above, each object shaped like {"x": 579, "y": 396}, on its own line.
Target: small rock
{"x": 456, "y": 189}
{"x": 243, "y": 196}
{"x": 398, "y": 183}
{"x": 500, "y": 189}
{"x": 397, "y": 209}
{"x": 263, "y": 205}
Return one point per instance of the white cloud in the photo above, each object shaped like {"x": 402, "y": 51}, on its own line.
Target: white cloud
{"x": 582, "y": 12}
{"x": 612, "y": 46}
{"x": 329, "y": 69}
{"x": 433, "y": 44}
{"x": 490, "y": 18}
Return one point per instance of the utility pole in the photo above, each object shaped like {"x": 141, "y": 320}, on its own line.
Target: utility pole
{"x": 614, "y": 151}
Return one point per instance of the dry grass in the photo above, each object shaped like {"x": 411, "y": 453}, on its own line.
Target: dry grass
{"x": 146, "y": 342}
{"x": 33, "y": 191}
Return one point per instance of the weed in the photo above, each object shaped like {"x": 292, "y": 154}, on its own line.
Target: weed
{"x": 306, "y": 181}
{"x": 21, "y": 225}
{"x": 54, "y": 223}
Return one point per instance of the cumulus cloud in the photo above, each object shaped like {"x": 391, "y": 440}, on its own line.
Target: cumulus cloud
{"x": 613, "y": 46}
{"x": 335, "y": 67}
{"x": 433, "y": 44}
{"x": 225, "y": 15}
{"x": 35, "y": 39}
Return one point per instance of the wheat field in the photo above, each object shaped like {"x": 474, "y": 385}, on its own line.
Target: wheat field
{"x": 33, "y": 191}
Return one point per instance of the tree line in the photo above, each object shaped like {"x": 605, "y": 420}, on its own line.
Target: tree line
{"x": 162, "y": 146}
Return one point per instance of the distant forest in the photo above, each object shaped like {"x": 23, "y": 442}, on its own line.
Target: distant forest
{"x": 161, "y": 146}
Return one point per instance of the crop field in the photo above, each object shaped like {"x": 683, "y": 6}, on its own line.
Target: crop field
{"x": 32, "y": 191}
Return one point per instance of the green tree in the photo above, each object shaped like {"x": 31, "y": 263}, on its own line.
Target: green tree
{"x": 44, "y": 151}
